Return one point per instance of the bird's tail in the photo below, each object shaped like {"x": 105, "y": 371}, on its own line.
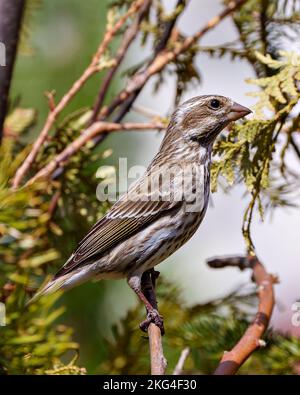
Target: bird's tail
{"x": 51, "y": 287}
{"x": 64, "y": 282}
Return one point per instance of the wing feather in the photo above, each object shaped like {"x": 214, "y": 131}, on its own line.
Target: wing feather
{"x": 128, "y": 215}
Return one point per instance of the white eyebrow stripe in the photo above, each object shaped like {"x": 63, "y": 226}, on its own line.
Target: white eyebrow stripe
{"x": 181, "y": 111}
{"x": 188, "y": 106}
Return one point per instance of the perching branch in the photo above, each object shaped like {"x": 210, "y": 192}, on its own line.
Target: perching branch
{"x": 11, "y": 13}
{"x": 158, "y": 361}
{"x": 93, "y": 68}
{"x": 251, "y": 340}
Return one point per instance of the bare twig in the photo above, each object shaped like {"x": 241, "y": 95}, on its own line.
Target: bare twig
{"x": 95, "y": 129}
{"x": 10, "y": 22}
{"x": 129, "y": 36}
{"x": 251, "y": 340}
{"x": 51, "y": 100}
{"x": 158, "y": 361}
{"x": 89, "y": 71}
{"x": 183, "y": 356}
{"x": 295, "y": 146}
{"x": 53, "y": 203}
{"x": 161, "y": 45}
{"x": 146, "y": 112}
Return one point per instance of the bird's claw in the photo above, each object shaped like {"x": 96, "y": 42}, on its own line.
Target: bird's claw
{"x": 153, "y": 317}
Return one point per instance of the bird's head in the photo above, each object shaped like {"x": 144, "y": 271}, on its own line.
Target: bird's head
{"x": 203, "y": 117}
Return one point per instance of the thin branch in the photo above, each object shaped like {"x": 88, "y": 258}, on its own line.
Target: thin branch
{"x": 290, "y": 20}
{"x": 53, "y": 203}
{"x": 10, "y": 23}
{"x": 251, "y": 340}
{"x": 94, "y": 130}
{"x": 168, "y": 28}
{"x": 179, "y": 367}
{"x": 51, "y": 100}
{"x": 146, "y": 112}
{"x": 295, "y": 146}
{"x": 157, "y": 359}
{"x": 129, "y": 36}
{"x": 78, "y": 84}
{"x": 263, "y": 24}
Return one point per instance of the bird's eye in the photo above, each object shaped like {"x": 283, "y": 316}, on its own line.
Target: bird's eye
{"x": 215, "y": 104}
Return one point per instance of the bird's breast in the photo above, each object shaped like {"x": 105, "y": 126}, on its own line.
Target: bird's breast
{"x": 172, "y": 231}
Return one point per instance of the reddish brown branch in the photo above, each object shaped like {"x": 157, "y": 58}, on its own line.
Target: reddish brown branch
{"x": 94, "y": 130}
{"x": 53, "y": 203}
{"x": 251, "y": 340}
{"x": 78, "y": 84}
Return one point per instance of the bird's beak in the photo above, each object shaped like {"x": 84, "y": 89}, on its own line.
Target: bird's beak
{"x": 237, "y": 111}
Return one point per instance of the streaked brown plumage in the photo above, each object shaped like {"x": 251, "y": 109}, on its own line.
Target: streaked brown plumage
{"x": 146, "y": 225}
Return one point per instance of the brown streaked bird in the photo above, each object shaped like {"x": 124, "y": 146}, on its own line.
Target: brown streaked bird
{"x": 161, "y": 210}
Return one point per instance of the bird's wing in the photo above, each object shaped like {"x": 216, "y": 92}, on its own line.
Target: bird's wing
{"x": 128, "y": 215}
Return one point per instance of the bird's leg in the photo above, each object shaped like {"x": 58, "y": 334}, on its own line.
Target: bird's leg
{"x": 148, "y": 283}
{"x": 144, "y": 288}
{"x": 154, "y": 276}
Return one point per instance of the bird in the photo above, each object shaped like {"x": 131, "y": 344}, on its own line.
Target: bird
{"x": 160, "y": 211}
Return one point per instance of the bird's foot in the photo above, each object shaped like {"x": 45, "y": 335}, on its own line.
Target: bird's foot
{"x": 153, "y": 317}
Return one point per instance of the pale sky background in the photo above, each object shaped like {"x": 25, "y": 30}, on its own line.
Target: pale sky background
{"x": 220, "y": 233}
